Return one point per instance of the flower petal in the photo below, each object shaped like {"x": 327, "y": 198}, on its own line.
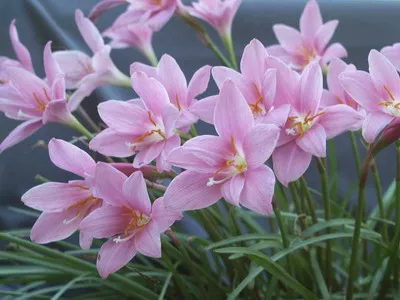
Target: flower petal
{"x": 113, "y": 256}
{"x": 57, "y": 112}
{"x": 21, "y": 132}
{"x": 199, "y": 82}
{"x": 260, "y": 143}
{"x": 102, "y": 7}
{"x": 310, "y": 20}
{"x": 220, "y": 74}
{"x": 232, "y": 189}
{"x": 205, "y": 108}
{"x": 89, "y": 32}
{"x": 392, "y": 53}
{"x": 146, "y": 155}
{"x": 252, "y": 64}
{"x": 233, "y": 117}
{"x": 85, "y": 240}
{"x": 324, "y": 34}
{"x": 20, "y": 50}
{"x": 335, "y": 50}
{"x": 162, "y": 216}
{"x": 111, "y": 143}
{"x": 373, "y": 124}
{"x": 290, "y": 162}
{"x": 313, "y": 141}
{"x": 148, "y": 241}
{"x": 311, "y": 86}
{"x": 278, "y": 116}
{"x": 258, "y": 190}
{"x": 189, "y": 191}
{"x": 288, "y": 37}
{"x": 135, "y": 193}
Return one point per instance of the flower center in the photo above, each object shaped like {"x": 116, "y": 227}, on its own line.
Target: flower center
{"x": 300, "y": 125}
{"x": 308, "y": 55}
{"x": 391, "y": 107}
{"x": 82, "y": 207}
{"x": 257, "y": 108}
{"x": 155, "y": 2}
{"x": 41, "y": 103}
{"x": 236, "y": 164}
{"x": 137, "y": 220}
{"x": 155, "y": 134}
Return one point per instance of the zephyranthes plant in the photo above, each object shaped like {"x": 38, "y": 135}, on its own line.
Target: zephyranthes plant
{"x": 272, "y": 236}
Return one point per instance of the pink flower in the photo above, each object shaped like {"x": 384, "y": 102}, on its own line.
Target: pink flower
{"x": 181, "y": 95}
{"x": 256, "y": 82}
{"x": 129, "y": 220}
{"x": 377, "y": 92}
{"x": 64, "y": 205}
{"x": 310, "y": 44}
{"x": 218, "y": 13}
{"x": 35, "y": 101}
{"x": 145, "y": 126}
{"x": 308, "y": 125}
{"x": 156, "y": 12}
{"x": 229, "y": 165}
{"x": 392, "y": 53}
{"x": 86, "y": 73}
{"x": 336, "y": 93}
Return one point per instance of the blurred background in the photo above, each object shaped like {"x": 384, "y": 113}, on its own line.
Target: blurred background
{"x": 364, "y": 25}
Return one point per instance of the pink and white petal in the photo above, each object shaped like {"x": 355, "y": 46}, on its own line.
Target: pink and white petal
{"x": 260, "y": 143}
{"x": 135, "y": 193}
{"x": 70, "y": 158}
{"x": 252, "y": 64}
{"x": 162, "y": 216}
{"x": 289, "y": 38}
{"x": 392, "y": 53}
{"x": 54, "y": 196}
{"x": 102, "y": 62}
{"x": 232, "y": 189}
{"x": 173, "y": 80}
{"x": 108, "y": 184}
{"x": 199, "y": 82}
{"x": 203, "y": 154}
{"x": 105, "y": 222}
{"x": 290, "y": 162}
{"x": 335, "y": 68}
{"x": 146, "y": 155}
{"x": 233, "y": 117}
{"x": 55, "y": 226}
{"x": 220, "y": 74}
{"x": 383, "y": 73}
{"x": 148, "y": 241}
{"x": 338, "y": 119}
{"x": 324, "y": 34}
{"x": 313, "y": 141}
{"x": 205, "y": 108}
{"x": 89, "y": 32}
{"x": 102, "y": 7}
{"x": 189, "y": 191}
{"x": 171, "y": 143}
{"x": 51, "y": 67}
{"x": 311, "y": 86}
{"x": 20, "y": 50}
{"x": 20, "y": 133}
{"x": 151, "y": 91}
{"x": 112, "y": 143}
{"x": 277, "y": 116}
{"x": 279, "y": 52}
{"x": 373, "y": 124}
{"x": 57, "y": 112}
{"x": 335, "y": 50}
{"x": 123, "y": 116}
{"x": 85, "y": 240}
{"x": 88, "y": 84}
{"x": 113, "y": 256}
{"x": 361, "y": 88}
{"x": 148, "y": 70}
{"x": 258, "y": 190}
{"x": 310, "y": 20}
{"x": 269, "y": 88}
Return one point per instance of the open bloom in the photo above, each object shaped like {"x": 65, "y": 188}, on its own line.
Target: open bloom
{"x": 308, "y": 125}
{"x": 155, "y": 13}
{"x": 144, "y": 126}
{"x": 378, "y": 92}
{"x": 181, "y": 95}
{"x": 310, "y": 44}
{"x": 229, "y": 165}
{"x": 35, "y": 101}
{"x": 392, "y": 53}
{"x": 336, "y": 93}
{"x": 129, "y": 220}
{"x": 86, "y": 73}
{"x": 218, "y": 13}
{"x": 256, "y": 82}
{"x": 64, "y": 205}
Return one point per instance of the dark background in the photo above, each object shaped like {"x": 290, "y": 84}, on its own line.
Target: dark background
{"x": 364, "y": 25}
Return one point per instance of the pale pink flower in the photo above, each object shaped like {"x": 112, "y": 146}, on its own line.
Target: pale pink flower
{"x": 257, "y": 83}
{"x": 392, "y": 53}
{"x": 35, "y": 101}
{"x": 86, "y": 73}
{"x": 181, "y": 94}
{"x": 64, "y": 205}
{"x": 218, "y": 13}
{"x": 308, "y": 125}
{"x": 336, "y": 93}
{"x": 155, "y": 12}
{"x": 378, "y": 92}
{"x": 230, "y": 165}
{"x": 145, "y": 126}
{"x": 130, "y": 221}
{"x": 310, "y": 44}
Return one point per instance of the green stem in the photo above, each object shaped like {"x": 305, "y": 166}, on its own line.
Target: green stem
{"x": 228, "y": 43}
{"x": 356, "y": 152}
{"x": 77, "y": 126}
{"x": 310, "y": 202}
{"x": 357, "y": 228}
{"x": 327, "y": 211}
{"x": 151, "y": 56}
{"x": 297, "y": 205}
{"x": 84, "y": 115}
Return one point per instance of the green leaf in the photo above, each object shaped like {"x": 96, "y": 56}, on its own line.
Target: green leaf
{"x": 318, "y": 275}
{"x": 243, "y": 238}
{"x": 373, "y": 290}
{"x": 68, "y": 286}
{"x": 165, "y": 287}
{"x": 388, "y": 201}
